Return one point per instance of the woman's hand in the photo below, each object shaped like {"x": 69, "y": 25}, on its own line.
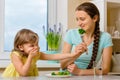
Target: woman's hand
{"x": 72, "y": 68}
{"x": 81, "y": 48}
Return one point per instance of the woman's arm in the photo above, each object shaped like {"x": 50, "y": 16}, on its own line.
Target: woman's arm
{"x": 80, "y": 48}
{"x": 106, "y": 62}
{"x": 106, "y": 57}
{"x": 65, "y": 62}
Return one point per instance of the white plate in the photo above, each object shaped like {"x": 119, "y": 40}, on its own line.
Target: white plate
{"x": 49, "y": 75}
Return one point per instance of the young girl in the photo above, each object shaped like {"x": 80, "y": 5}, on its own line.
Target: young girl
{"x": 26, "y": 53}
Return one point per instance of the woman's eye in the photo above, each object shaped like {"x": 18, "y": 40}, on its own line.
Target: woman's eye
{"x": 82, "y": 19}
{"x": 76, "y": 19}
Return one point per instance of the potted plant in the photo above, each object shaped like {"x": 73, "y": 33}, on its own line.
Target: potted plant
{"x": 54, "y": 37}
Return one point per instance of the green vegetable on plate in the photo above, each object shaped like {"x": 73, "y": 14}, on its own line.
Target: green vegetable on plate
{"x": 61, "y": 73}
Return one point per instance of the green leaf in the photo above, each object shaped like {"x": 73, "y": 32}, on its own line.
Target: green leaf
{"x": 81, "y": 31}
{"x": 53, "y": 40}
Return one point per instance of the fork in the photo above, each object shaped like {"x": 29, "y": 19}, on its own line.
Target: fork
{"x": 84, "y": 42}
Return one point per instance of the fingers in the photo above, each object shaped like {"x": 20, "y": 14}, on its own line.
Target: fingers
{"x": 33, "y": 52}
{"x": 71, "y": 67}
{"x": 81, "y": 48}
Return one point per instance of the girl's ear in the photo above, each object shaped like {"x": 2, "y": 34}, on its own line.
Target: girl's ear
{"x": 20, "y": 47}
{"x": 95, "y": 18}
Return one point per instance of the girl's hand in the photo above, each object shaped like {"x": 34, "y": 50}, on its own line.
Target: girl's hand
{"x": 34, "y": 52}
{"x": 72, "y": 68}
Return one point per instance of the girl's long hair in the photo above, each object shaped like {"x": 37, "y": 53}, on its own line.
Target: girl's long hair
{"x": 24, "y": 36}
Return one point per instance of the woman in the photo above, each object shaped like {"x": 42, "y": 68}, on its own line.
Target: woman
{"x": 94, "y": 42}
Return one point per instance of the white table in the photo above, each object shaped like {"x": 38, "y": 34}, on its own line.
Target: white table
{"x": 106, "y": 77}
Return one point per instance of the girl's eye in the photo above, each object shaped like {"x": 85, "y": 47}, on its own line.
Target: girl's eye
{"x": 31, "y": 45}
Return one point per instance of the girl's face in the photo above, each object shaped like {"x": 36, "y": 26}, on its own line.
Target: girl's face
{"x": 85, "y": 21}
{"x": 28, "y": 47}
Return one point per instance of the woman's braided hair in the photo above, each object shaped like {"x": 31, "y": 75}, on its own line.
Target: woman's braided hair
{"x": 92, "y": 11}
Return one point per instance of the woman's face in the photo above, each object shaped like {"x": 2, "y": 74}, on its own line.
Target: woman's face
{"x": 85, "y": 21}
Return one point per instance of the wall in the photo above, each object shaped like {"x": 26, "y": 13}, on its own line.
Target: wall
{"x": 72, "y": 4}
{"x": 1, "y": 24}
{"x": 113, "y": 17}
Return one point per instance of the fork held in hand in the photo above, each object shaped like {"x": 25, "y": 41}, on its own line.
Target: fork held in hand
{"x": 84, "y": 42}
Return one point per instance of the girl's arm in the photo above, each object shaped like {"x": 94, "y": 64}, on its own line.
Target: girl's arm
{"x": 23, "y": 68}
{"x": 106, "y": 57}
{"x": 58, "y": 56}
{"x": 65, "y": 55}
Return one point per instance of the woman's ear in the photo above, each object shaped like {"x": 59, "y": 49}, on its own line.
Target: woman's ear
{"x": 20, "y": 47}
{"x": 95, "y": 18}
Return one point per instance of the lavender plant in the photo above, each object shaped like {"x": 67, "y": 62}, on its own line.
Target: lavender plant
{"x": 53, "y": 37}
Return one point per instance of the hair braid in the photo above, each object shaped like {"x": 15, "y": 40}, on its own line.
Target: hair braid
{"x": 95, "y": 46}
{"x": 92, "y": 11}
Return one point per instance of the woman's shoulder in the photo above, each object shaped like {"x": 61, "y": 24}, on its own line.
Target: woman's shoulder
{"x": 105, "y": 35}
{"x": 72, "y": 31}
{"x": 106, "y": 39}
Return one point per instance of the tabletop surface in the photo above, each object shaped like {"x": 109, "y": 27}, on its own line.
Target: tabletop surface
{"x": 43, "y": 77}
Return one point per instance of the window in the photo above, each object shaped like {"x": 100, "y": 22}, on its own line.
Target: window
{"x": 56, "y": 13}
{"x": 19, "y": 14}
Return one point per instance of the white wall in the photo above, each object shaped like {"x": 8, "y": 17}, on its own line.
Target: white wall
{"x": 1, "y": 24}
{"x": 58, "y": 12}
{"x": 72, "y": 4}
{"x": 62, "y": 12}
{"x": 52, "y": 12}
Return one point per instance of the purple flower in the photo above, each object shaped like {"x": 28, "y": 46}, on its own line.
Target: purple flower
{"x": 54, "y": 36}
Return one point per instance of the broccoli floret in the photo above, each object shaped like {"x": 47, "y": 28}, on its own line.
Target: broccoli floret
{"x": 53, "y": 73}
{"x": 61, "y": 73}
{"x": 81, "y": 31}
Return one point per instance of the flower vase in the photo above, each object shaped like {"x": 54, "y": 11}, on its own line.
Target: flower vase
{"x": 52, "y": 52}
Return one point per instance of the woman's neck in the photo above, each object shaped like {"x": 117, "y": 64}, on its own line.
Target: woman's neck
{"x": 89, "y": 35}
{"x": 88, "y": 38}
